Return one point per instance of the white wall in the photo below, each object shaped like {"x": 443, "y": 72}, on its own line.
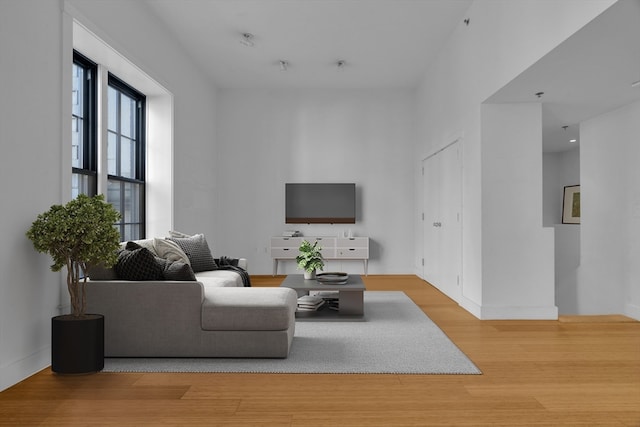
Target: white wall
{"x": 517, "y": 252}
{"x": 562, "y": 169}
{"x": 270, "y": 137}
{"x": 559, "y": 170}
{"x": 502, "y": 40}
{"x": 35, "y": 55}
{"x": 609, "y": 273}
{"x": 31, "y": 75}
{"x": 567, "y": 263}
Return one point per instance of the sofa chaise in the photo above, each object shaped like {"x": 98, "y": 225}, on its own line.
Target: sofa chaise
{"x": 195, "y": 311}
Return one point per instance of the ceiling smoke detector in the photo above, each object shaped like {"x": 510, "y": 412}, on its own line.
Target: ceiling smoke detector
{"x": 247, "y": 39}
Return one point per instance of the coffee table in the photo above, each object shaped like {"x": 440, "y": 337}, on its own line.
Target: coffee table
{"x": 350, "y": 297}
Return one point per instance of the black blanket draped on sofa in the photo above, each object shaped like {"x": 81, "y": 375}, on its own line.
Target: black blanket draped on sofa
{"x": 226, "y": 263}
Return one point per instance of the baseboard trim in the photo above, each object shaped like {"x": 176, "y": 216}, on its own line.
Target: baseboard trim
{"x": 471, "y": 307}
{"x": 19, "y": 370}
{"x": 519, "y": 313}
{"x": 597, "y": 318}
{"x": 632, "y": 311}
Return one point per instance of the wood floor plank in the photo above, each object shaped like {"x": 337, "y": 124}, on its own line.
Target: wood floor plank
{"x": 574, "y": 372}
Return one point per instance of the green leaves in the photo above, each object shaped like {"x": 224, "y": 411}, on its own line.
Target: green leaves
{"x": 81, "y": 231}
{"x": 78, "y": 235}
{"x": 310, "y": 257}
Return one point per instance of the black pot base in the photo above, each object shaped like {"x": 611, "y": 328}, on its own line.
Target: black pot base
{"x": 77, "y": 345}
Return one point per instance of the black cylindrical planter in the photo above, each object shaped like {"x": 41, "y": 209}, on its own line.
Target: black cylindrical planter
{"x": 77, "y": 345}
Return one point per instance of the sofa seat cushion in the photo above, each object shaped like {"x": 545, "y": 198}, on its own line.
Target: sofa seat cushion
{"x": 249, "y": 309}
{"x": 219, "y": 279}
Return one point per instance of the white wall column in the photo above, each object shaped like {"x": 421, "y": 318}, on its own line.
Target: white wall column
{"x": 609, "y": 273}
{"x": 517, "y": 252}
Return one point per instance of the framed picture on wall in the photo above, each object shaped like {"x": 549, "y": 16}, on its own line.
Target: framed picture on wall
{"x": 571, "y": 205}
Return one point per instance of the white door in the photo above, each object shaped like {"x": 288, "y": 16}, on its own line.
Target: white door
{"x": 442, "y": 223}
{"x": 431, "y": 209}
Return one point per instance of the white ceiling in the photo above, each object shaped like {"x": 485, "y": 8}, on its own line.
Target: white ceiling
{"x": 587, "y": 75}
{"x": 389, "y": 44}
{"x": 385, "y": 43}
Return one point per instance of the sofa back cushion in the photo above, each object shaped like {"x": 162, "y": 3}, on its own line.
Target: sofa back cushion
{"x": 100, "y": 272}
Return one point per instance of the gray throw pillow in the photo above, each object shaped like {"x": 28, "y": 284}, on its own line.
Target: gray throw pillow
{"x": 178, "y": 270}
{"x": 197, "y": 251}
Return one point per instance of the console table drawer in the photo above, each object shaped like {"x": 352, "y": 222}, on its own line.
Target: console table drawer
{"x": 358, "y": 253}
{"x": 286, "y": 242}
{"x": 353, "y": 242}
{"x": 284, "y": 253}
{"x": 323, "y": 242}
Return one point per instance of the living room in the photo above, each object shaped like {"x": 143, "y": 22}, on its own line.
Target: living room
{"x": 234, "y": 148}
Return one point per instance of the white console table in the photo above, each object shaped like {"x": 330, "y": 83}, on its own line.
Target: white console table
{"x": 333, "y": 248}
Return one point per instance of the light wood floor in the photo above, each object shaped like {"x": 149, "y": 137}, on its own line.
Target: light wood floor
{"x": 535, "y": 373}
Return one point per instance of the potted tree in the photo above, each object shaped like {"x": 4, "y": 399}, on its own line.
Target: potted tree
{"x": 77, "y": 235}
{"x": 310, "y": 259}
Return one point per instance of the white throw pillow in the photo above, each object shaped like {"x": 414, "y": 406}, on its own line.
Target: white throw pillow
{"x": 173, "y": 233}
{"x": 170, "y": 251}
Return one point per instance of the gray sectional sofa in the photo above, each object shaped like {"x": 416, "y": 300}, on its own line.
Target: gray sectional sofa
{"x": 205, "y": 313}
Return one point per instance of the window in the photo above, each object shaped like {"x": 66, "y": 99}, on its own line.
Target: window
{"x": 157, "y": 215}
{"x": 125, "y": 156}
{"x": 83, "y": 127}
{"x": 125, "y": 144}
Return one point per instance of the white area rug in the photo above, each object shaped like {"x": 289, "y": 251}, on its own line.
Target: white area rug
{"x": 395, "y": 338}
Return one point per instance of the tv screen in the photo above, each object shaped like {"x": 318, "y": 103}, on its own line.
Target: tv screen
{"x": 320, "y": 203}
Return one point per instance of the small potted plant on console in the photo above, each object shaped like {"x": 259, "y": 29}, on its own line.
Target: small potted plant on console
{"x": 77, "y": 235}
{"x": 310, "y": 259}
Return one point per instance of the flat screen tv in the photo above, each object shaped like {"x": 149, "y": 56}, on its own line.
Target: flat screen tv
{"x": 313, "y": 203}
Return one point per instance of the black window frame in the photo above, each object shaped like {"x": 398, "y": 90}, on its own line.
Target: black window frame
{"x": 140, "y": 163}
{"x": 90, "y": 123}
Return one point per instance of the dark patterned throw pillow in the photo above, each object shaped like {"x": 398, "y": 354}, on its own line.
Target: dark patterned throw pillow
{"x": 197, "y": 251}
{"x": 137, "y": 263}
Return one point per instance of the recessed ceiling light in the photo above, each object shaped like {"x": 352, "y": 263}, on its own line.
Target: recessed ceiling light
{"x": 247, "y": 39}
{"x": 573, "y": 140}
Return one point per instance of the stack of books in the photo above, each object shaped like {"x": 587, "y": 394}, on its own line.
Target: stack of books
{"x": 330, "y": 298}
{"x": 310, "y": 303}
